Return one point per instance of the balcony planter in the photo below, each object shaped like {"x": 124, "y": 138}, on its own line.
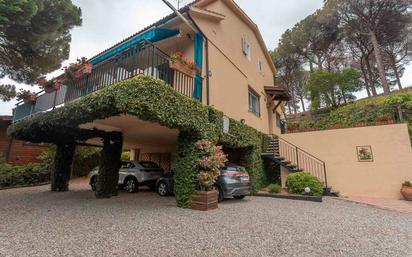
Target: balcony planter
{"x": 205, "y": 200}
{"x": 79, "y": 70}
{"x": 26, "y": 96}
{"x": 179, "y": 63}
{"x": 51, "y": 86}
{"x": 183, "y": 68}
{"x": 384, "y": 121}
{"x": 83, "y": 71}
{"x": 406, "y": 191}
{"x": 30, "y": 99}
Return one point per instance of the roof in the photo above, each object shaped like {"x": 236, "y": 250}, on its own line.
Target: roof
{"x": 156, "y": 24}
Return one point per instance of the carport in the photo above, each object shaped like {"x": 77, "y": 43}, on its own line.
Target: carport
{"x": 145, "y": 116}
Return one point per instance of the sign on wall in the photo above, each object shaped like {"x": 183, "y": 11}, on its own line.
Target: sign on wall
{"x": 364, "y": 153}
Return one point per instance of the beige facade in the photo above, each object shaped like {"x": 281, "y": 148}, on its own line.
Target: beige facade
{"x": 233, "y": 73}
{"x": 391, "y": 166}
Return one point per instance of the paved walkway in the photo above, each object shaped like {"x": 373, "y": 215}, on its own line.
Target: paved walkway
{"x": 387, "y": 204}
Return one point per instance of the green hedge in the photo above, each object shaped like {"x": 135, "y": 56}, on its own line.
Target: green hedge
{"x": 297, "y": 182}
{"x": 365, "y": 111}
{"x": 11, "y": 176}
{"x": 152, "y": 100}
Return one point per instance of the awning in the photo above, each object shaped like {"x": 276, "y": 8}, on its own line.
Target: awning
{"x": 153, "y": 35}
{"x": 277, "y": 93}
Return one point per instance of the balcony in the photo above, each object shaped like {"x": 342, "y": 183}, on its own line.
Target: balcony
{"x": 142, "y": 59}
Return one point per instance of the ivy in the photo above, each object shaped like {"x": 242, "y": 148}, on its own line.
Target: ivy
{"x": 151, "y": 100}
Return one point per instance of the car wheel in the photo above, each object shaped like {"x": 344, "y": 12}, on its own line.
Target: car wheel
{"x": 162, "y": 189}
{"x": 93, "y": 183}
{"x": 239, "y": 197}
{"x": 130, "y": 185}
{"x": 221, "y": 197}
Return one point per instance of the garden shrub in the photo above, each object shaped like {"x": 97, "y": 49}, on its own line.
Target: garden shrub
{"x": 297, "y": 182}
{"x": 32, "y": 174}
{"x": 274, "y": 188}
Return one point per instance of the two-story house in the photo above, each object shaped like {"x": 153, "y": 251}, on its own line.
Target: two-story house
{"x": 236, "y": 78}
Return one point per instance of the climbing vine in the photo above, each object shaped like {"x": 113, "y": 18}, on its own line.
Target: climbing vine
{"x": 151, "y": 100}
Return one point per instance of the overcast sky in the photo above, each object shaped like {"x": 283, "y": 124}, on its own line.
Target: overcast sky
{"x": 106, "y": 22}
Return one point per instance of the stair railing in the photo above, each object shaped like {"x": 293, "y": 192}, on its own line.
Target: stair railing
{"x": 303, "y": 160}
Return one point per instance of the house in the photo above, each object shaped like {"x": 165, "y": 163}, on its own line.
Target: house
{"x": 230, "y": 99}
{"x": 16, "y": 151}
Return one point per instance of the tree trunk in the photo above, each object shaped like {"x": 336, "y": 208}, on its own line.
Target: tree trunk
{"x": 371, "y": 80}
{"x": 303, "y": 103}
{"x": 62, "y": 167}
{"x": 379, "y": 62}
{"x": 110, "y": 162}
{"x": 395, "y": 70}
{"x": 365, "y": 77}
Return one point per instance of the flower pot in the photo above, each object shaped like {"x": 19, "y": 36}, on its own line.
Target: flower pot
{"x": 205, "y": 201}
{"x": 183, "y": 68}
{"x": 407, "y": 193}
{"x": 30, "y": 99}
{"x": 41, "y": 81}
{"x": 84, "y": 70}
{"x": 56, "y": 86}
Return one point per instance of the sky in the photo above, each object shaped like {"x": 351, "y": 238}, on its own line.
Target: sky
{"x": 106, "y": 22}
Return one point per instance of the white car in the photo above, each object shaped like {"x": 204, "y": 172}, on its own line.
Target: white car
{"x": 133, "y": 174}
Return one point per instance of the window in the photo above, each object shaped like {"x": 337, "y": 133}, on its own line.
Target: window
{"x": 278, "y": 120}
{"x": 247, "y": 51}
{"x": 254, "y": 102}
{"x": 260, "y": 66}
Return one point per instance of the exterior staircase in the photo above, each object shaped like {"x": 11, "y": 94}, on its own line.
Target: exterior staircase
{"x": 295, "y": 159}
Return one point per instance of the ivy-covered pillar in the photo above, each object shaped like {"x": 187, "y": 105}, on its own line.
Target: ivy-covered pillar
{"x": 62, "y": 167}
{"x": 186, "y": 168}
{"x": 110, "y": 162}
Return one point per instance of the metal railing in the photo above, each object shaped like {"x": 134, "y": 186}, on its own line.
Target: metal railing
{"x": 303, "y": 160}
{"x": 144, "y": 59}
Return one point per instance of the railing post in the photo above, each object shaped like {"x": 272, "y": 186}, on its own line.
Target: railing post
{"x": 32, "y": 108}
{"x": 55, "y": 98}
{"x": 297, "y": 157}
{"x": 324, "y": 174}
{"x": 400, "y": 113}
{"x": 153, "y": 59}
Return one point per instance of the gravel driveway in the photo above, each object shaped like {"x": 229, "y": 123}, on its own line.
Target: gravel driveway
{"x": 37, "y": 222}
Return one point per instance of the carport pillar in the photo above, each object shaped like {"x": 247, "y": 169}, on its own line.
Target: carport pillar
{"x": 62, "y": 167}
{"x": 110, "y": 162}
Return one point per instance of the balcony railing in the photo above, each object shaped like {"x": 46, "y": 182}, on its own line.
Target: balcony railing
{"x": 144, "y": 59}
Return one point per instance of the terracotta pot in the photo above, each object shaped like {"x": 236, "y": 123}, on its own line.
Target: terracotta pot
{"x": 407, "y": 193}
{"x": 391, "y": 121}
{"x": 183, "y": 68}
{"x": 85, "y": 70}
{"x": 56, "y": 86}
{"x": 30, "y": 99}
{"x": 205, "y": 201}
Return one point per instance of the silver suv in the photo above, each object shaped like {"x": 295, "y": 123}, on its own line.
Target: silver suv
{"x": 133, "y": 174}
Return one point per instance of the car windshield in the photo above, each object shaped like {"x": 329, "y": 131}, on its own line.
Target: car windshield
{"x": 149, "y": 165}
{"x": 234, "y": 169}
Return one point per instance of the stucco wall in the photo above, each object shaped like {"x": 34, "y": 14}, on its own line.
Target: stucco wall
{"x": 383, "y": 177}
{"x": 232, "y": 72}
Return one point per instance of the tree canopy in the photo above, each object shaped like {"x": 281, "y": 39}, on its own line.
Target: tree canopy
{"x": 369, "y": 37}
{"x": 35, "y": 37}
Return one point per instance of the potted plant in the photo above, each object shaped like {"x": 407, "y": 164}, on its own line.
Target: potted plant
{"x": 51, "y": 85}
{"x": 406, "y": 191}
{"x": 211, "y": 160}
{"x": 79, "y": 70}
{"x": 384, "y": 120}
{"x": 26, "y": 96}
{"x": 179, "y": 63}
